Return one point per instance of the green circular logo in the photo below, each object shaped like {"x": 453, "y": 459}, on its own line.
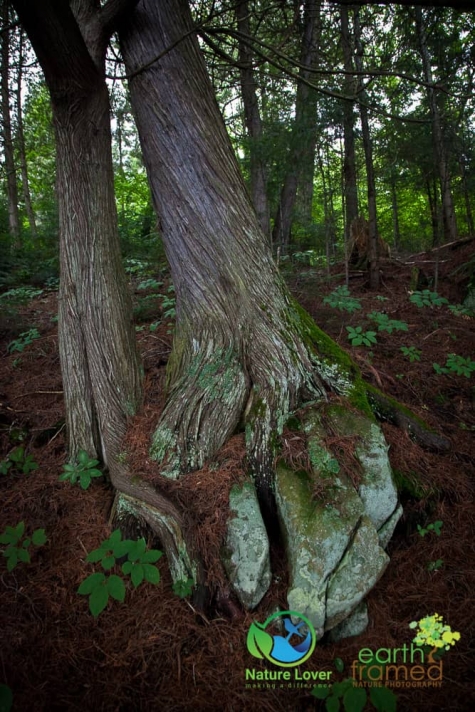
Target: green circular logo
{"x": 266, "y": 640}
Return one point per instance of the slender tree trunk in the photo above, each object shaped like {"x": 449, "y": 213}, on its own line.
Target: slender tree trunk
{"x": 21, "y": 143}
{"x": 440, "y": 152}
{"x": 303, "y": 129}
{"x": 368, "y": 151}
{"x": 253, "y": 122}
{"x": 350, "y": 189}
{"x": 8, "y": 149}
{"x": 395, "y": 212}
{"x": 99, "y": 360}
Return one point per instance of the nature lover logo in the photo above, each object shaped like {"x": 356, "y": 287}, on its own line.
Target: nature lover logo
{"x": 269, "y": 642}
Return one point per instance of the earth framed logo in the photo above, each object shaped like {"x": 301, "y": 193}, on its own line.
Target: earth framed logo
{"x": 288, "y": 650}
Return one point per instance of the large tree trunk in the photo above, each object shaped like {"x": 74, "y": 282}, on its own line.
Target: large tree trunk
{"x": 350, "y": 192}
{"x": 244, "y": 353}
{"x": 99, "y": 361}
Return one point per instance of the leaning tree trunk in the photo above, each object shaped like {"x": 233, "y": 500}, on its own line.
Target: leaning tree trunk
{"x": 244, "y": 352}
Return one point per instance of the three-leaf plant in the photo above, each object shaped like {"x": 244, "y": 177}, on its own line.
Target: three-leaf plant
{"x": 17, "y": 544}
{"x": 139, "y": 566}
{"x": 83, "y": 470}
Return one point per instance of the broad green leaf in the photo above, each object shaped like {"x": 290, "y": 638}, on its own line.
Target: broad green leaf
{"x": 151, "y": 557}
{"x": 98, "y": 599}
{"x": 12, "y": 560}
{"x": 151, "y": 573}
{"x": 96, "y": 555}
{"x": 92, "y": 463}
{"x": 20, "y": 529}
{"x": 108, "y": 562}
{"x": 65, "y": 476}
{"x": 137, "y": 574}
{"x": 39, "y": 537}
{"x": 69, "y": 468}
{"x": 116, "y": 587}
{"x": 122, "y": 548}
{"x": 26, "y": 543}
{"x": 354, "y": 699}
{"x": 332, "y": 704}
{"x": 127, "y": 567}
{"x": 114, "y": 538}
{"x": 90, "y": 583}
{"x": 259, "y": 643}
{"x": 137, "y": 550}
{"x": 83, "y": 457}
{"x": 94, "y": 473}
{"x": 339, "y": 664}
{"x": 23, "y": 555}
{"x": 384, "y": 700}
{"x": 8, "y": 537}
{"x": 85, "y": 480}
{"x": 321, "y": 693}
{"x": 6, "y": 698}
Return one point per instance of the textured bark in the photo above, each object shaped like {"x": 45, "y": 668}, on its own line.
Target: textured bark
{"x": 440, "y": 152}
{"x": 253, "y": 122}
{"x": 8, "y": 150}
{"x": 368, "y": 152}
{"x": 25, "y": 183}
{"x": 235, "y": 349}
{"x": 350, "y": 190}
{"x": 99, "y": 361}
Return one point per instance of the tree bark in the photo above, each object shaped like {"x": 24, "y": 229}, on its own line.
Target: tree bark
{"x": 302, "y": 144}
{"x": 350, "y": 188}
{"x": 440, "y": 152}
{"x": 8, "y": 149}
{"x": 99, "y": 361}
{"x": 253, "y": 122}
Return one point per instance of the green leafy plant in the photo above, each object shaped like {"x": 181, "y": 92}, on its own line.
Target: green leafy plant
{"x": 432, "y": 631}
{"x": 358, "y": 337}
{"x": 380, "y": 298}
{"x": 354, "y": 699}
{"x": 168, "y": 306}
{"x": 20, "y": 295}
{"x": 426, "y": 298}
{"x": 435, "y": 565}
{"x": 17, "y": 544}
{"x": 460, "y": 310}
{"x": 183, "y": 588}
{"x": 412, "y": 353}
{"x": 341, "y": 299}
{"x": 384, "y": 323}
{"x": 25, "y": 339}
{"x": 83, "y": 470}
{"x": 19, "y": 461}
{"x": 456, "y": 364}
{"x": 149, "y": 284}
{"x": 6, "y": 698}
{"x": 433, "y": 527}
{"x": 139, "y": 566}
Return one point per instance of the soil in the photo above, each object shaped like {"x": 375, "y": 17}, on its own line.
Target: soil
{"x": 155, "y": 651}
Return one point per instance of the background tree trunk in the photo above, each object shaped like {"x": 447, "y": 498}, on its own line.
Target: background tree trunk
{"x": 350, "y": 189}
{"x": 8, "y": 150}
{"x": 21, "y": 142}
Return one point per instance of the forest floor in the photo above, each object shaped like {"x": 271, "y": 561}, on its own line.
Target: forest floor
{"x": 154, "y": 652}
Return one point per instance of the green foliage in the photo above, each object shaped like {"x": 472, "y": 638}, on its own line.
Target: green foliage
{"x": 168, "y": 306}
{"x": 18, "y": 545}
{"x": 384, "y": 323}
{"x": 83, "y": 470}
{"x": 20, "y": 295}
{"x": 435, "y": 565}
{"x": 412, "y": 353}
{"x": 137, "y": 268}
{"x": 426, "y": 298}
{"x": 456, "y": 364}
{"x": 354, "y": 699}
{"x": 139, "y": 566}
{"x": 183, "y": 588}
{"x": 6, "y": 698}
{"x": 433, "y": 527}
{"x": 358, "y": 337}
{"x": 460, "y": 310}
{"x": 149, "y": 284}
{"x": 25, "y": 339}
{"x": 341, "y": 299}
{"x": 18, "y": 460}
